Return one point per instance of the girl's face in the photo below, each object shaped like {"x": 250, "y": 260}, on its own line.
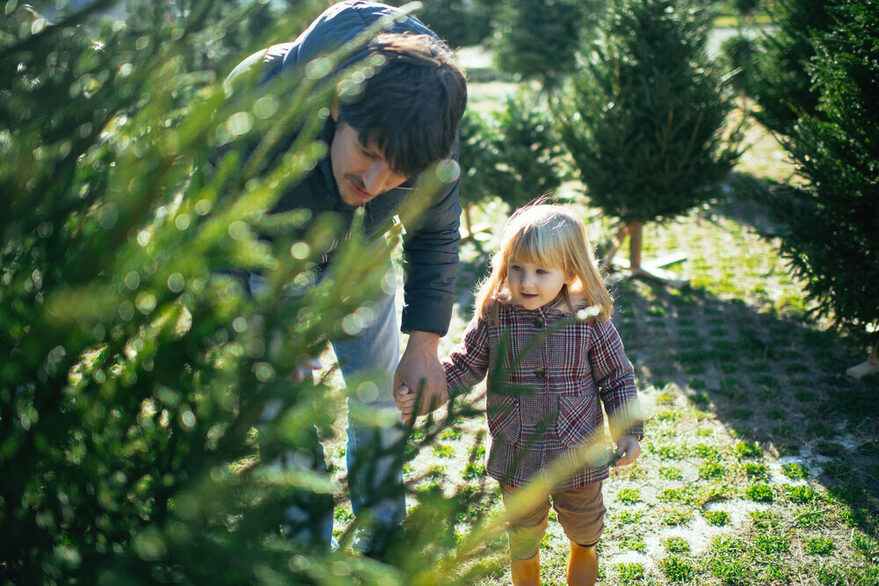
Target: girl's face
{"x": 533, "y": 285}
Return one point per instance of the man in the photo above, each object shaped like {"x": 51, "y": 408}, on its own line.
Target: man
{"x": 405, "y": 120}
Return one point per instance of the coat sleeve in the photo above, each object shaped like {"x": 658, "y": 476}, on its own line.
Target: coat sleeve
{"x": 468, "y": 364}
{"x": 430, "y": 262}
{"x": 614, "y": 376}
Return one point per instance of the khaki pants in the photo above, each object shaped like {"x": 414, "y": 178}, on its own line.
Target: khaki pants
{"x": 580, "y": 512}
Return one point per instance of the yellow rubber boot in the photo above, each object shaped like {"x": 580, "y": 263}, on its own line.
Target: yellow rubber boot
{"x": 526, "y": 572}
{"x": 582, "y": 567}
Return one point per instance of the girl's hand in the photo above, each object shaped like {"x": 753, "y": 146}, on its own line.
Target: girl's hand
{"x": 628, "y": 449}
{"x": 405, "y": 398}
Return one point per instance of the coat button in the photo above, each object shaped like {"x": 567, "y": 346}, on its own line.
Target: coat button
{"x": 540, "y": 372}
{"x": 538, "y": 323}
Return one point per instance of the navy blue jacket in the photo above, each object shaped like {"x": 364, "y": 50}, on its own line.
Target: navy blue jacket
{"x": 430, "y": 247}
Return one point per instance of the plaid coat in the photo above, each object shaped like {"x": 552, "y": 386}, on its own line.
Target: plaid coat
{"x": 551, "y": 397}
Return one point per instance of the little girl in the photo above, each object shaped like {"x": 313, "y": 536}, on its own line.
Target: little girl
{"x": 544, "y": 402}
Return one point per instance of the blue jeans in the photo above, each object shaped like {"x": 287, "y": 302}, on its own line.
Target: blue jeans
{"x": 367, "y": 362}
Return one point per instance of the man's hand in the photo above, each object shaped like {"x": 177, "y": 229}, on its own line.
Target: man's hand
{"x": 628, "y": 448}
{"x": 420, "y": 371}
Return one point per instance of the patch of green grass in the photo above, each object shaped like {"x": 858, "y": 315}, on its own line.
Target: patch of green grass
{"x": 771, "y": 542}
{"x": 700, "y": 399}
{"x": 453, "y": 433}
{"x": 443, "y": 451}
{"x": 676, "y": 517}
{"x": 819, "y": 546}
{"x": 474, "y": 470}
{"x": 764, "y": 519}
{"x": 707, "y": 451}
{"x": 630, "y": 573}
{"x": 748, "y": 450}
{"x": 677, "y": 569}
{"x": 670, "y": 473}
{"x": 711, "y": 469}
{"x": 676, "y": 545}
{"x": 436, "y": 472}
{"x": 760, "y": 492}
{"x": 768, "y": 395}
{"x": 717, "y": 518}
{"x": 796, "y": 471}
{"x": 630, "y": 517}
{"x": 776, "y": 413}
{"x": 830, "y": 449}
{"x": 795, "y": 368}
{"x": 810, "y": 517}
{"x": 343, "y": 514}
{"x": 804, "y": 396}
{"x": 669, "y": 451}
{"x": 727, "y": 560}
{"x": 819, "y": 429}
{"x": 866, "y": 546}
{"x": 670, "y": 495}
{"x": 741, "y": 413}
{"x": 697, "y": 383}
{"x": 629, "y": 496}
{"x": 633, "y": 543}
{"x": 665, "y": 398}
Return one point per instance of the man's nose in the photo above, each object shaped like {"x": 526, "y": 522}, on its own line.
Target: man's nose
{"x": 376, "y": 176}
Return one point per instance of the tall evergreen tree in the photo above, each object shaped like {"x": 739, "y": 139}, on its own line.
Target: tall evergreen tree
{"x": 781, "y": 81}
{"x": 644, "y": 118}
{"x": 138, "y": 383}
{"x": 831, "y": 223}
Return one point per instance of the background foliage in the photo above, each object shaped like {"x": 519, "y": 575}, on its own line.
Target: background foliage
{"x": 644, "y": 117}
{"x": 830, "y": 224}
{"x": 139, "y": 382}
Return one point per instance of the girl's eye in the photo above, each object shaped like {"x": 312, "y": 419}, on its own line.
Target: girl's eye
{"x": 515, "y": 268}
{"x": 542, "y": 271}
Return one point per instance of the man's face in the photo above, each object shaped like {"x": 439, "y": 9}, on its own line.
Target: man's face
{"x": 361, "y": 171}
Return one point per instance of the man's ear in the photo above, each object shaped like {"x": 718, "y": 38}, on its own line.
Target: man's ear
{"x": 334, "y": 110}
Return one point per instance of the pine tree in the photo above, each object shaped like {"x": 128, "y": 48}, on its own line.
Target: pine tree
{"x": 539, "y": 39}
{"x": 831, "y": 223}
{"x": 644, "y": 117}
{"x": 782, "y": 84}
{"x": 513, "y": 153}
{"x": 139, "y": 384}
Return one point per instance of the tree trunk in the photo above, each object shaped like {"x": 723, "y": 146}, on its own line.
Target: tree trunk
{"x": 635, "y": 229}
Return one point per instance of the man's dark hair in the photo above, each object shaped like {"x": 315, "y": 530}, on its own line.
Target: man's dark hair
{"x": 410, "y": 108}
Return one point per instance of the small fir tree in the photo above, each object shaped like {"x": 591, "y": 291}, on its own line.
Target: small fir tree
{"x": 831, "y": 223}
{"x": 536, "y": 39}
{"x": 644, "y": 117}
{"x": 513, "y": 153}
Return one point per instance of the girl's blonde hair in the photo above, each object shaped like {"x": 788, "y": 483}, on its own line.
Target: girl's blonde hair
{"x": 552, "y": 236}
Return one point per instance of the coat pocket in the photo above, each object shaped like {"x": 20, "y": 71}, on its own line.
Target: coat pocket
{"x": 504, "y": 421}
{"x": 579, "y": 417}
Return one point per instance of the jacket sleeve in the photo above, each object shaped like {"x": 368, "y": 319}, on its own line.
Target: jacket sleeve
{"x": 468, "y": 364}
{"x": 430, "y": 261}
{"x": 614, "y": 377}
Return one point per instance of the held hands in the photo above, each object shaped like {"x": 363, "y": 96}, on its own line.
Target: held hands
{"x": 420, "y": 369}
{"x": 628, "y": 449}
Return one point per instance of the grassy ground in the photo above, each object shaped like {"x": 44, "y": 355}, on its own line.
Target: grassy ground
{"x": 761, "y": 458}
